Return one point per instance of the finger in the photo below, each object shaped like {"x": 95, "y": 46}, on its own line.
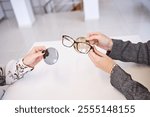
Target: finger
{"x": 39, "y": 48}
{"x": 93, "y": 33}
{"x": 38, "y": 54}
{"x": 39, "y": 59}
{"x": 92, "y": 42}
{"x": 92, "y": 57}
{"x": 94, "y": 37}
{"x": 96, "y": 59}
{"x": 98, "y": 52}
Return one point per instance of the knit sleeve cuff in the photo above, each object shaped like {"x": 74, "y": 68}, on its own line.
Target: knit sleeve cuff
{"x": 16, "y": 70}
{"x": 115, "y": 51}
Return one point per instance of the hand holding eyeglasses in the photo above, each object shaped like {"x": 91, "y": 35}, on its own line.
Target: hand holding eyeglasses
{"x": 104, "y": 62}
{"x": 101, "y": 60}
{"x": 84, "y": 46}
{"x": 81, "y": 45}
{"x": 100, "y": 40}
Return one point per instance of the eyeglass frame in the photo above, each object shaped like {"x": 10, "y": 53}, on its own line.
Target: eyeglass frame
{"x": 75, "y": 42}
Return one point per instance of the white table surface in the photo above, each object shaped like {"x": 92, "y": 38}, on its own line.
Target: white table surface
{"x": 74, "y": 76}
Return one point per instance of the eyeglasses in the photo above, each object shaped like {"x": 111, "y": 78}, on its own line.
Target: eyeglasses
{"x": 81, "y": 45}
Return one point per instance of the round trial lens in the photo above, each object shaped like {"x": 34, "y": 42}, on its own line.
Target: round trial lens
{"x": 51, "y": 56}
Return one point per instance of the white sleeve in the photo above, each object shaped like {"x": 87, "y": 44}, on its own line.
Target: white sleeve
{"x": 15, "y": 70}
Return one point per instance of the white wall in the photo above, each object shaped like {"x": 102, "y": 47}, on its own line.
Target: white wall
{"x": 1, "y": 13}
{"x": 23, "y": 12}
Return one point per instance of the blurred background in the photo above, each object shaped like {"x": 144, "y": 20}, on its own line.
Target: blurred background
{"x": 24, "y": 22}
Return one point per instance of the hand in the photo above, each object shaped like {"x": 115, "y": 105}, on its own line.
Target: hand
{"x": 100, "y": 40}
{"x": 34, "y": 56}
{"x": 101, "y": 60}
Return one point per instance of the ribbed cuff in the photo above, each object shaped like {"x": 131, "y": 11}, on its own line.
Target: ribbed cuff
{"x": 115, "y": 51}
{"x": 23, "y": 66}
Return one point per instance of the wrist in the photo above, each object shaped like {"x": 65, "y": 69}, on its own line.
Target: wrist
{"x": 26, "y": 64}
{"x": 21, "y": 65}
{"x": 111, "y": 68}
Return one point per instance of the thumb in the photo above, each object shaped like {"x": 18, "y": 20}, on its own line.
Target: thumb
{"x": 98, "y": 52}
{"x": 92, "y": 41}
{"x": 93, "y": 33}
{"x": 94, "y": 54}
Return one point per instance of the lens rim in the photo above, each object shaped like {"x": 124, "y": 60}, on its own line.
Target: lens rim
{"x": 65, "y": 37}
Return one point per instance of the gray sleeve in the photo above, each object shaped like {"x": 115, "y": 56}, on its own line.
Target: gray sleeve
{"x": 131, "y": 89}
{"x": 130, "y": 52}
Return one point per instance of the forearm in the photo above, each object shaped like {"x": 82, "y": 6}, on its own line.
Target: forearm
{"x": 129, "y": 52}
{"x": 131, "y": 89}
{"x": 15, "y": 70}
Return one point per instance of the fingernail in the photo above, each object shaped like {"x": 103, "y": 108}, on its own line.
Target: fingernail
{"x": 43, "y": 51}
{"x": 88, "y": 41}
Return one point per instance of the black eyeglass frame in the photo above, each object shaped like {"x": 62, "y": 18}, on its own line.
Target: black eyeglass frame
{"x": 75, "y": 42}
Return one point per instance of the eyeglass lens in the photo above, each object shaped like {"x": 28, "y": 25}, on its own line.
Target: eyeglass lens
{"x": 51, "y": 56}
{"x": 82, "y": 45}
